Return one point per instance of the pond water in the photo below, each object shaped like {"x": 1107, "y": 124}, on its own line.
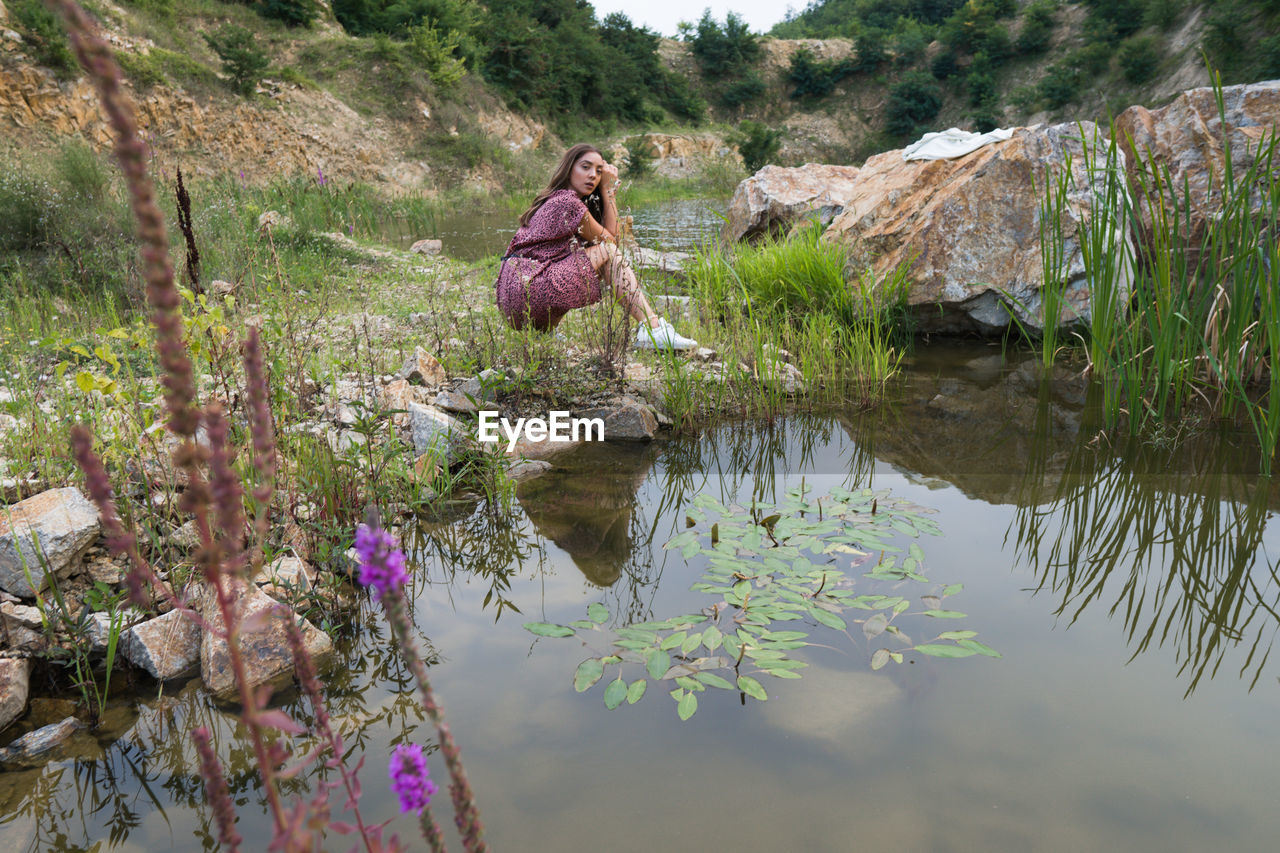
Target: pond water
{"x": 677, "y": 225}
{"x": 1132, "y": 592}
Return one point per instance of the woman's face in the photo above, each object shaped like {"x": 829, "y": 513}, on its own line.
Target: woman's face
{"x": 586, "y": 173}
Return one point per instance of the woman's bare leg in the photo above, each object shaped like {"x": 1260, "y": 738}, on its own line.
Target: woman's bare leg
{"x": 613, "y": 269}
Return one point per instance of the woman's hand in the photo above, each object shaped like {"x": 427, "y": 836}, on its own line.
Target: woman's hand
{"x": 609, "y": 180}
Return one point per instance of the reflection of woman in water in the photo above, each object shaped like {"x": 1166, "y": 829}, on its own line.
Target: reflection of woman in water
{"x": 590, "y": 517}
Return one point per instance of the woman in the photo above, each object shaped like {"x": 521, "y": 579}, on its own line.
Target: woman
{"x": 567, "y": 244}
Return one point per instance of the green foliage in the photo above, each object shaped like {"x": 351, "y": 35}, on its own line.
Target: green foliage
{"x": 437, "y": 54}
{"x": 811, "y": 77}
{"x": 870, "y": 51}
{"x": 1060, "y": 85}
{"x": 944, "y": 65}
{"x": 1037, "y": 28}
{"x": 242, "y": 60}
{"x": 724, "y": 51}
{"x": 1139, "y": 58}
{"x": 761, "y": 573}
{"x": 757, "y": 143}
{"x": 1161, "y": 13}
{"x": 913, "y": 101}
{"x": 908, "y": 43}
{"x": 639, "y": 161}
{"x": 141, "y": 70}
{"x": 1123, "y": 18}
{"x": 42, "y": 29}
{"x": 742, "y": 91}
{"x": 293, "y": 13}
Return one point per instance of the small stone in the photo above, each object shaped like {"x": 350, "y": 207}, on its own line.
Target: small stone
{"x": 704, "y": 354}
{"x": 637, "y": 372}
{"x": 427, "y": 247}
{"x": 273, "y": 219}
{"x": 628, "y": 421}
{"x": 285, "y": 578}
{"x": 452, "y": 401}
{"x": 264, "y": 651}
{"x": 434, "y": 431}
{"x": 104, "y": 570}
{"x": 483, "y": 386}
{"x": 527, "y": 469}
{"x": 186, "y": 537}
{"x": 62, "y": 521}
{"x": 15, "y": 682}
{"x": 34, "y": 748}
{"x": 423, "y": 368}
{"x": 218, "y": 287}
{"x": 342, "y": 441}
{"x": 167, "y": 647}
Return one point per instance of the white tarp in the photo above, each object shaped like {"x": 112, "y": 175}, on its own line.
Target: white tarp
{"x": 952, "y": 142}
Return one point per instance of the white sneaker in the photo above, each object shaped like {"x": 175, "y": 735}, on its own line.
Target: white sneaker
{"x": 663, "y": 336}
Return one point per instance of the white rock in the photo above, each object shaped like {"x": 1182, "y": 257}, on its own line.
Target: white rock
{"x": 62, "y": 521}
{"x": 166, "y": 647}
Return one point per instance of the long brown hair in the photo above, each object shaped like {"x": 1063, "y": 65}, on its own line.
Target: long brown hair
{"x": 560, "y": 181}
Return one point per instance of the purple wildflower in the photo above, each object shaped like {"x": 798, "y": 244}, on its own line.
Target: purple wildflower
{"x": 409, "y": 779}
{"x": 381, "y": 562}
{"x": 320, "y": 175}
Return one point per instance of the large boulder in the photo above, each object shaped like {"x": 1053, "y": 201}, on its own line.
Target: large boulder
{"x": 15, "y": 680}
{"x": 627, "y": 420}
{"x": 776, "y": 197}
{"x": 264, "y": 648}
{"x": 166, "y": 647}
{"x": 435, "y": 432}
{"x": 1184, "y": 139}
{"x": 966, "y": 230}
{"x": 48, "y": 532}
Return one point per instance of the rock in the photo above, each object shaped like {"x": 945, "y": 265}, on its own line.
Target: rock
{"x": 1185, "y": 137}
{"x": 397, "y": 395}
{"x": 652, "y": 259}
{"x": 482, "y": 387}
{"x": 704, "y": 354}
{"x": 627, "y": 421}
{"x": 264, "y": 650}
{"x": 526, "y": 448}
{"x": 520, "y": 470}
{"x": 15, "y": 680}
{"x": 452, "y": 401}
{"x": 423, "y": 369}
{"x": 221, "y": 288}
{"x": 434, "y": 431}
{"x": 186, "y": 537}
{"x": 342, "y": 441}
{"x": 167, "y": 646}
{"x": 34, "y": 748}
{"x": 273, "y": 219}
{"x": 107, "y": 571}
{"x": 64, "y": 524}
{"x": 775, "y": 198}
{"x": 285, "y": 578}
{"x": 17, "y": 633}
{"x": 966, "y": 230}
{"x": 427, "y": 247}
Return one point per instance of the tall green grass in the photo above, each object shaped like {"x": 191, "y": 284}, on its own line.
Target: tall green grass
{"x": 1186, "y": 321}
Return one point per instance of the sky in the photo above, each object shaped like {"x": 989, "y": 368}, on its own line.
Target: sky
{"x": 661, "y": 16}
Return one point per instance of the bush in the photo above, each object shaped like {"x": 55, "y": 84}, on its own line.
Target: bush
{"x": 1139, "y": 58}
{"x": 757, "y": 143}
{"x": 1060, "y": 85}
{"x": 242, "y": 60}
{"x": 638, "y": 162}
{"x": 142, "y": 71}
{"x": 1161, "y": 13}
{"x": 870, "y": 50}
{"x": 944, "y": 65}
{"x": 724, "y": 51}
{"x": 293, "y": 13}
{"x": 436, "y": 54}
{"x": 1037, "y": 28}
{"x": 742, "y": 91}
{"x": 912, "y": 102}
{"x": 44, "y": 32}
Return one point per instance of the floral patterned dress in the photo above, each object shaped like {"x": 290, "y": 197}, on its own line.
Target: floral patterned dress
{"x": 545, "y": 271}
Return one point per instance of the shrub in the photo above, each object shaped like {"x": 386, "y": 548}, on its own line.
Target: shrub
{"x": 757, "y": 143}
{"x": 638, "y": 162}
{"x": 870, "y": 50}
{"x": 1060, "y": 85}
{"x": 1037, "y": 28}
{"x": 436, "y": 54}
{"x": 742, "y": 91}
{"x": 242, "y": 60}
{"x": 1161, "y": 13}
{"x": 982, "y": 88}
{"x": 293, "y": 13}
{"x": 908, "y": 43}
{"x": 724, "y": 51}
{"x": 912, "y": 101}
{"x": 1139, "y": 57}
{"x": 143, "y": 71}
{"x": 944, "y": 65}
{"x": 44, "y": 32}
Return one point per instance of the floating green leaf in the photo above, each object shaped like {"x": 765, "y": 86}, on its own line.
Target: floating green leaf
{"x": 597, "y": 613}
{"x": 712, "y": 680}
{"x": 547, "y": 629}
{"x": 688, "y": 705}
{"x": 879, "y": 658}
{"x": 945, "y": 614}
{"x": 752, "y": 688}
{"x": 635, "y": 690}
{"x": 942, "y": 651}
{"x": 657, "y": 663}
{"x": 980, "y": 648}
{"x": 615, "y": 693}
{"x": 589, "y": 672}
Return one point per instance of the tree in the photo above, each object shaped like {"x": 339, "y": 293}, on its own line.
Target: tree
{"x": 242, "y": 60}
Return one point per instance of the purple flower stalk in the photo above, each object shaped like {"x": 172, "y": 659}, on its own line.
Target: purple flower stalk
{"x": 320, "y": 175}
{"x": 409, "y": 779}
{"x": 382, "y": 566}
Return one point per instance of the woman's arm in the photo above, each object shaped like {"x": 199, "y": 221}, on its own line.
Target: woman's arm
{"x": 592, "y": 231}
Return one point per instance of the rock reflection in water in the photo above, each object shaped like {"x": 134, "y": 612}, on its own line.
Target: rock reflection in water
{"x": 1166, "y": 533}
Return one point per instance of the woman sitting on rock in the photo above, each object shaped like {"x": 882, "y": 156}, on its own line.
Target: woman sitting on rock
{"x": 568, "y": 243}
